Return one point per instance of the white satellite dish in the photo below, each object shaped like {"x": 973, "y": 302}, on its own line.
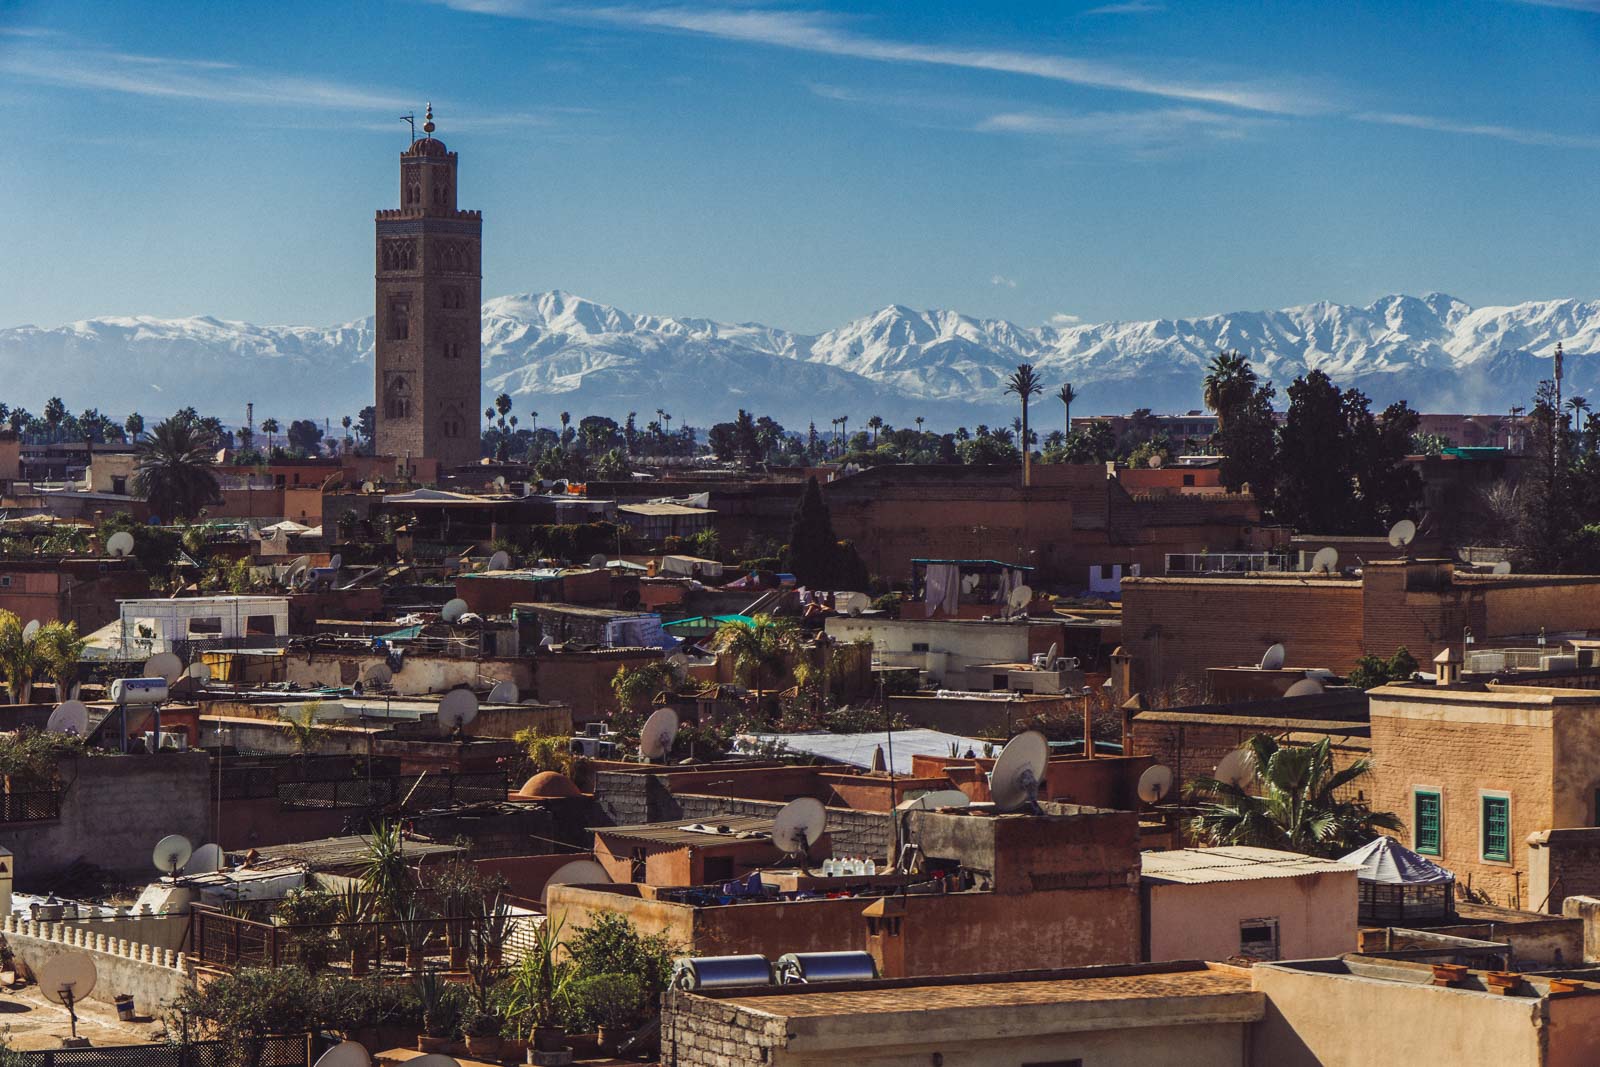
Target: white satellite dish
{"x": 504, "y": 693}
{"x": 938, "y": 798}
{"x": 30, "y": 631}
{"x": 1155, "y": 461}
{"x": 1021, "y": 596}
{"x": 207, "y": 859}
{"x": 453, "y": 609}
{"x": 1238, "y": 768}
{"x": 1272, "y": 660}
{"x": 68, "y": 980}
{"x": 1402, "y": 533}
{"x": 500, "y": 561}
{"x": 598, "y": 560}
{"x": 172, "y": 852}
{"x": 457, "y": 709}
{"x": 377, "y": 674}
{"x": 200, "y": 672}
{"x": 1019, "y": 772}
{"x": 578, "y": 872}
{"x": 164, "y": 665}
{"x": 798, "y": 825}
{"x": 368, "y": 487}
{"x": 120, "y": 544}
{"x": 334, "y": 564}
{"x": 1154, "y": 783}
{"x": 433, "y": 1059}
{"x": 1325, "y": 560}
{"x": 500, "y": 482}
{"x": 854, "y": 604}
{"x": 345, "y": 1054}
{"x": 1503, "y": 567}
{"x": 1305, "y": 687}
{"x": 655, "y": 738}
{"x": 69, "y": 717}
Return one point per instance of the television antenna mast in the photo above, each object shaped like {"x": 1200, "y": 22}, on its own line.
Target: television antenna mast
{"x": 410, "y": 119}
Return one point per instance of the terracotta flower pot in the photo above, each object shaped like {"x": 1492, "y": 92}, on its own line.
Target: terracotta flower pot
{"x": 358, "y": 964}
{"x": 433, "y": 1044}
{"x": 484, "y": 1046}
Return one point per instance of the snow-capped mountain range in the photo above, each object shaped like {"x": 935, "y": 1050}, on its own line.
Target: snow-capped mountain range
{"x": 558, "y": 352}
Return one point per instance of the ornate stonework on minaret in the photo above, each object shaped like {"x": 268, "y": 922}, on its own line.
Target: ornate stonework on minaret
{"x": 429, "y": 313}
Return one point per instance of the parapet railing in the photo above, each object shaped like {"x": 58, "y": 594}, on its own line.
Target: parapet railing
{"x": 1180, "y": 563}
{"x": 77, "y": 935}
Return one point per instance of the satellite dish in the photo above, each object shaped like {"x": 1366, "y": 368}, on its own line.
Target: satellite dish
{"x": 798, "y": 825}
{"x": 345, "y": 1054}
{"x": 164, "y": 665}
{"x": 500, "y": 561}
{"x": 1273, "y": 659}
{"x": 504, "y": 693}
{"x": 578, "y": 872}
{"x": 938, "y": 798}
{"x": 377, "y": 674}
{"x": 68, "y": 980}
{"x": 1154, "y": 783}
{"x": 456, "y": 709}
{"x": 1305, "y": 687}
{"x": 368, "y": 487}
{"x": 200, "y": 672}
{"x": 334, "y": 564}
{"x": 1021, "y": 596}
{"x": 598, "y": 560}
{"x": 172, "y": 852}
{"x": 1014, "y": 782}
{"x": 500, "y": 482}
{"x": 30, "y": 631}
{"x": 69, "y": 717}
{"x": 855, "y": 603}
{"x": 1325, "y": 560}
{"x": 207, "y": 859}
{"x": 433, "y": 1059}
{"x": 1503, "y": 567}
{"x": 1238, "y": 768}
{"x": 453, "y": 609}
{"x": 1402, "y": 533}
{"x": 655, "y": 739}
{"x": 1155, "y": 461}
{"x": 120, "y": 544}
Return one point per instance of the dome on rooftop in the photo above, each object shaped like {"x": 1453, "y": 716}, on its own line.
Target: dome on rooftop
{"x": 548, "y": 785}
{"x": 427, "y": 146}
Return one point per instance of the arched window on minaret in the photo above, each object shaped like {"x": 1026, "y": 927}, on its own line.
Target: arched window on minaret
{"x": 397, "y": 399}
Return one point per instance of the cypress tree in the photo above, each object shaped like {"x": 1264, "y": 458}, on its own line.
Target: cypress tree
{"x": 813, "y": 546}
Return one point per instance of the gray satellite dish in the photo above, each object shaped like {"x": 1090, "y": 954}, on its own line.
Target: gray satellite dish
{"x": 433, "y": 1059}
{"x": 334, "y": 564}
{"x": 1018, "y": 773}
{"x": 377, "y": 674}
{"x": 164, "y": 665}
{"x": 1325, "y": 560}
{"x": 457, "y": 709}
{"x": 1154, "y": 783}
{"x": 1155, "y": 461}
{"x": 171, "y": 853}
{"x": 500, "y": 482}
{"x": 368, "y": 487}
{"x": 120, "y": 544}
{"x": 1402, "y": 533}
{"x": 856, "y": 603}
{"x": 598, "y": 560}
{"x": 1305, "y": 687}
{"x": 207, "y": 859}
{"x": 1272, "y": 660}
{"x": 69, "y": 717}
{"x": 578, "y": 872}
{"x": 504, "y": 693}
{"x": 345, "y": 1054}
{"x": 1021, "y": 597}
{"x": 68, "y": 980}
{"x": 453, "y": 609}
{"x": 1238, "y": 768}
{"x": 200, "y": 672}
{"x": 1503, "y": 567}
{"x": 500, "y": 561}
{"x": 30, "y": 631}
{"x": 655, "y": 738}
{"x": 938, "y": 798}
{"x": 798, "y": 826}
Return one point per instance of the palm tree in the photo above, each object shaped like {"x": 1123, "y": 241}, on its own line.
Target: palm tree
{"x": 1303, "y": 803}
{"x": 59, "y": 648}
{"x": 1229, "y": 380}
{"x": 1025, "y": 383}
{"x": 19, "y": 657}
{"x": 502, "y": 404}
{"x": 269, "y": 426}
{"x": 174, "y": 469}
{"x": 134, "y": 425}
{"x": 919, "y": 423}
{"x": 1578, "y": 405}
{"x": 1067, "y": 394}
{"x": 760, "y": 649}
{"x": 533, "y": 421}
{"x": 303, "y": 729}
{"x": 875, "y": 424}
{"x": 55, "y": 413}
{"x": 345, "y": 422}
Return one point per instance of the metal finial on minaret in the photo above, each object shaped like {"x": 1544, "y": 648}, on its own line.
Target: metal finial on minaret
{"x": 427, "y": 120}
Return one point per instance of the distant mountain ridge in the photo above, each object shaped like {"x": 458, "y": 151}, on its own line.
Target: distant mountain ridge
{"x": 557, "y": 352}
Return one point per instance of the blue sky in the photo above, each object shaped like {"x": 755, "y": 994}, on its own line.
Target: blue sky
{"x": 801, "y": 165}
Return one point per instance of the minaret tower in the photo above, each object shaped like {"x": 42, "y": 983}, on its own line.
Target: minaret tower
{"x": 429, "y": 313}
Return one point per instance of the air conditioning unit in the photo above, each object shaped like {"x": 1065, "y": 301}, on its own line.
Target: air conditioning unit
{"x": 1565, "y": 661}
{"x": 607, "y": 750}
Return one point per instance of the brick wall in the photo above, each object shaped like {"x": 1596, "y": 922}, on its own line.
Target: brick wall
{"x": 1562, "y": 864}
{"x": 698, "y": 1032}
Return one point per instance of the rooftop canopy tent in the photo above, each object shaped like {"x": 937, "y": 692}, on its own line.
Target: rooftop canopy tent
{"x": 1400, "y": 887}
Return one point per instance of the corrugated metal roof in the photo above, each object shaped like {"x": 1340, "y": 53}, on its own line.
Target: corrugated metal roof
{"x": 710, "y": 831}
{"x": 1234, "y": 863}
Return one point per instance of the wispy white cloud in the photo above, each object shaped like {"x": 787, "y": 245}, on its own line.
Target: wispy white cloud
{"x": 1152, "y": 129}
{"x": 26, "y": 31}
{"x": 1062, "y": 320}
{"x": 1514, "y": 134}
{"x": 1001, "y": 281}
{"x": 810, "y": 31}
{"x": 1129, "y": 7}
{"x": 1572, "y": 5}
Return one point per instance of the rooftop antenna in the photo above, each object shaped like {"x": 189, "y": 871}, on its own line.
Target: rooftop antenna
{"x": 657, "y": 734}
{"x": 856, "y": 603}
{"x": 935, "y": 799}
{"x": 504, "y": 693}
{"x": 1154, "y": 783}
{"x": 1014, "y": 782}
{"x": 410, "y": 118}
{"x": 1020, "y": 598}
{"x": 207, "y": 859}
{"x": 1325, "y": 560}
{"x": 1272, "y": 660}
{"x": 1503, "y": 567}
{"x": 453, "y": 609}
{"x": 1402, "y": 534}
{"x": 798, "y": 826}
{"x": 30, "y": 631}
{"x": 164, "y": 665}
{"x": 345, "y": 1054}
{"x": 1305, "y": 687}
{"x": 172, "y": 852}
{"x": 1238, "y": 768}
{"x": 458, "y": 708}
{"x": 69, "y": 717}
{"x": 66, "y": 980}
{"x": 500, "y": 561}
{"x": 578, "y": 872}
{"x": 120, "y": 544}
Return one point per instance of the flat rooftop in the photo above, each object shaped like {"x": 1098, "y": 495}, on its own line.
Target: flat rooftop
{"x": 1233, "y": 863}
{"x": 715, "y": 831}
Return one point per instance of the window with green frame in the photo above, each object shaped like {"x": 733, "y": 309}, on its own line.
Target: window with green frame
{"x": 1425, "y": 818}
{"x": 1497, "y": 829}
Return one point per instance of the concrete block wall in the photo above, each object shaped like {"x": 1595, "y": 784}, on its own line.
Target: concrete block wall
{"x": 699, "y": 1032}
{"x": 155, "y": 976}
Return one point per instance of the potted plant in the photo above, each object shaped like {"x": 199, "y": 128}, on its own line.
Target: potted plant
{"x": 441, "y": 1012}
{"x": 354, "y": 916}
{"x": 416, "y": 926}
{"x": 615, "y": 1003}
{"x": 482, "y": 1032}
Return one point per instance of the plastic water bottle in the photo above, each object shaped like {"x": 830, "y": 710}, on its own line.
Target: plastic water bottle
{"x": 872, "y": 865}
{"x": 828, "y": 869}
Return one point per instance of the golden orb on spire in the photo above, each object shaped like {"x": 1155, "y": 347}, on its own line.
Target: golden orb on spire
{"x": 427, "y": 121}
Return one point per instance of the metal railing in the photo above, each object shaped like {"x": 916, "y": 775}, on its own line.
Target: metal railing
{"x": 1179, "y": 563}
{"x": 262, "y": 1052}
{"x": 34, "y": 805}
{"x": 417, "y": 792}
{"x": 230, "y": 941}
